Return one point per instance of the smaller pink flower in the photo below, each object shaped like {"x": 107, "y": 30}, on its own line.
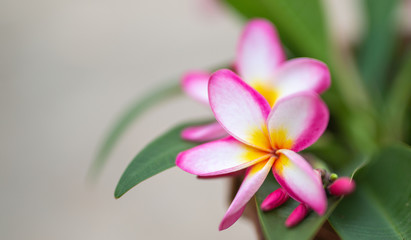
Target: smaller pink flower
{"x": 342, "y": 186}
{"x": 260, "y": 62}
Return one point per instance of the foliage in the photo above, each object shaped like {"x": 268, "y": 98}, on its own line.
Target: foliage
{"x": 156, "y": 157}
{"x": 380, "y": 208}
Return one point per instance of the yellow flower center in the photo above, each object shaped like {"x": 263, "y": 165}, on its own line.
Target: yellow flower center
{"x": 267, "y": 90}
{"x": 279, "y": 139}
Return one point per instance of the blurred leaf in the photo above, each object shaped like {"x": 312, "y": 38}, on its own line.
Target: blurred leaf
{"x": 380, "y": 208}
{"x": 376, "y": 52}
{"x": 398, "y": 100}
{"x": 129, "y": 116}
{"x": 330, "y": 149}
{"x": 300, "y": 23}
{"x": 156, "y": 157}
{"x": 407, "y": 127}
{"x": 353, "y": 165}
{"x": 272, "y": 222}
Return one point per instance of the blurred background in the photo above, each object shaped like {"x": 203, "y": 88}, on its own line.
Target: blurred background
{"x": 67, "y": 70}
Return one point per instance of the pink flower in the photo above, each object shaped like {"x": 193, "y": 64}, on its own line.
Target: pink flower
{"x": 261, "y": 62}
{"x": 261, "y": 139}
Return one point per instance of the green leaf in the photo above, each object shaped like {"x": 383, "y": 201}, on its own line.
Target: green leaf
{"x": 272, "y": 222}
{"x": 300, "y": 23}
{"x": 156, "y": 157}
{"x": 380, "y": 208}
{"x": 129, "y": 116}
{"x": 398, "y": 99}
{"x": 376, "y": 52}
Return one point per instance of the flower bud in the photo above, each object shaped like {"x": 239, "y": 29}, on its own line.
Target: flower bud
{"x": 297, "y": 215}
{"x": 342, "y": 186}
{"x": 274, "y": 199}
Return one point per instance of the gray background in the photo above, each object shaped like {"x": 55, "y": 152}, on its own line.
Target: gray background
{"x": 67, "y": 69}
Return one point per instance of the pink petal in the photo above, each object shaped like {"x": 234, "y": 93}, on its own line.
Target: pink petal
{"x": 342, "y": 186}
{"x": 259, "y": 51}
{"x": 302, "y": 74}
{"x": 204, "y": 133}
{"x": 254, "y": 178}
{"x": 274, "y": 199}
{"x": 297, "y": 215}
{"x": 240, "y": 109}
{"x": 300, "y": 181}
{"x": 219, "y": 157}
{"x": 195, "y": 85}
{"x": 297, "y": 121}
{"x": 229, "y": 221}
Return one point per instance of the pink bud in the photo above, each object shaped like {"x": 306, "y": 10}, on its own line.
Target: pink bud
{"x": 274, "y": 200}
{"x": 342, "y": 186}
{"x": 297, "y": 215}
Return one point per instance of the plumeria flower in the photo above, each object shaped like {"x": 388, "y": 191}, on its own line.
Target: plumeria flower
{"x": 261, "y": 139}
{"x": 261, "y": 62}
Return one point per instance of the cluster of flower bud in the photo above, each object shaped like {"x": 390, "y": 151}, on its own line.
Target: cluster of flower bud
{"x": 332, "y": 183}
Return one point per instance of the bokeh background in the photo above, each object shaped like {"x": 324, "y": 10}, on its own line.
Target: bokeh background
{"x": 68, "y": 68}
